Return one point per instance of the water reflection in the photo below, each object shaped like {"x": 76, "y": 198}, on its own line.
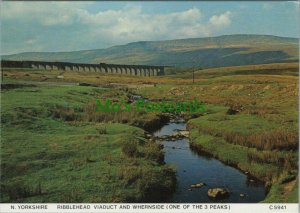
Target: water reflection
{"x": 193, "y": 168}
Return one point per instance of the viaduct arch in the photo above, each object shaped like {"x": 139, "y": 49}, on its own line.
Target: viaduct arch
{"x": 136, "y": 70}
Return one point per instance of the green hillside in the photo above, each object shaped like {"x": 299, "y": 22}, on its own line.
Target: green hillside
{"x": 228, "y": 50}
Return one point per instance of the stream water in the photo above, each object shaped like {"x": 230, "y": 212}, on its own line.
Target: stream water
{"x": 193, "y": 168}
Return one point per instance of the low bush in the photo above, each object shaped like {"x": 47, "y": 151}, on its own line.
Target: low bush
{"x": 286, "y": 161}
{"x": 129, "y": 147}
{"x": 102, "y": 130}
{"x": 17, "y": 189}
{"x": 153, "y": 152}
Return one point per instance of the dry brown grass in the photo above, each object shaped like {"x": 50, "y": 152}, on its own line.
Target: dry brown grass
{"x": 278, "y": 139}
{"x": 95, "y": 78}
{"x": 274, "y": 139}
{"x": 286, "y": 161}
{"x": 255, "y": 68}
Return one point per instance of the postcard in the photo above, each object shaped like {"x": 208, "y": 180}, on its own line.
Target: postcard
{"x": 149, "y": 106}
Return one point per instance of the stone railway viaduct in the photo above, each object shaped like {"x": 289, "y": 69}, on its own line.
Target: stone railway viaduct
{"x": 136, "y": 70}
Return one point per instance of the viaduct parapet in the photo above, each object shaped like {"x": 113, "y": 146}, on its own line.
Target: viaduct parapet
{"x": 136, "y": 70}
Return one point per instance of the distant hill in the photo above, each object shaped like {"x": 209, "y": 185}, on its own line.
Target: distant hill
{"x": 228, "y": 50}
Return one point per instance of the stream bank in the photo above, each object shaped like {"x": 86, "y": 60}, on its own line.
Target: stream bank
{"x": 198, "y": 169}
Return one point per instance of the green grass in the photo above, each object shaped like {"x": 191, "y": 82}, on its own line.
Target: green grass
{"x": 293, "y": 195}
{"x": 43, "y": 95}
{"x": 45, "y": 159}
{"x": 278, "y": 194}
{"x": 243, "y": 123}
{"x": 207, "y": 135}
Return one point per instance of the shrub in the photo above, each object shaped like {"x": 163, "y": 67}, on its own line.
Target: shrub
{"x": 129, "y": 147}
{"x": 102, "y": 130}
{"x": 130, "y": 174}
{"x": 72, "y": 196}
{"x": 152, "y": 185}
{"x": 153, "y": 152}
{"x": 285, "y": 161}
{"x": 63, "y": 113}
{"x": 279, "y": 139}
{"x": 17, "y": 189}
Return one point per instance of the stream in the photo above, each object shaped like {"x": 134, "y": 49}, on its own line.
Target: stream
{"x": 193, "y": 168}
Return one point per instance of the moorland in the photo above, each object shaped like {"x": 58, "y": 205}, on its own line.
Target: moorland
{"x": 56, "y": 147}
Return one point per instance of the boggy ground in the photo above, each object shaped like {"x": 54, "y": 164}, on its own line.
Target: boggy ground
{"x": 56, "y": 148}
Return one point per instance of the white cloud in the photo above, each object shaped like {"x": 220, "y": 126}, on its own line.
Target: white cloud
{"x": 74, "y": 26}
{"x": 134, "y": 24}
{"x": 221, "y": 21}
{"x": 45, "y": 13}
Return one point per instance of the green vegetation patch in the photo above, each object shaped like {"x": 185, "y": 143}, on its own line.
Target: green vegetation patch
{"x": 46, "y": 158}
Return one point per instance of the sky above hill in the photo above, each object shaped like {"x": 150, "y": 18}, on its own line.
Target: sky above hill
{"x": 68, "y": 26}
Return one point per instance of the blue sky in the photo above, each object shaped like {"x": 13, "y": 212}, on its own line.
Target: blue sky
{"x": 68, "y": 26}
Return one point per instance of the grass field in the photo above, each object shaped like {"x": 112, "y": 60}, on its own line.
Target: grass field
{"x": 50, "y": 153}
{"x": 56, "y": 148}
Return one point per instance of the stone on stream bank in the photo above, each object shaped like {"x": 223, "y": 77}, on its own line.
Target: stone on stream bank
{"x": 177, "y": 136}
{"x": 184, "y": 133}
{"x": 218, "y": 193}
{"x": 198, "y": 185}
